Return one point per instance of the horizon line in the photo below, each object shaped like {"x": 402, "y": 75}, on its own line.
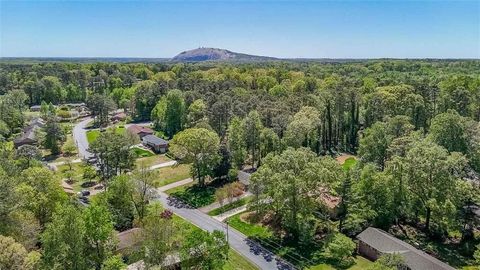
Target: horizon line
{"x": 233, "y": 60}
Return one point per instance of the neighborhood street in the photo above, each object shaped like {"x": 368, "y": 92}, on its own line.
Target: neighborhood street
{"x": 238, "y": 241}
{"x": 80, "y": 136}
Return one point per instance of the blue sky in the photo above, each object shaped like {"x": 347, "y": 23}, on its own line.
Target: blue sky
{"x": 312, "y": 29}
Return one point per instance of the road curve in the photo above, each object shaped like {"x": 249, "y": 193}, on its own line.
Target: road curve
{"x": 263, "y": 258}
{"x": 80, "y": 137}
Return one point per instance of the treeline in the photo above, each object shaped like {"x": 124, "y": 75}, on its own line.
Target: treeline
{"x": 347, "y": 97}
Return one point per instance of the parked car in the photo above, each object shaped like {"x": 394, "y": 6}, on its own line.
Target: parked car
{"x": 83, "y": 193}
{"x": 84, "y": 199}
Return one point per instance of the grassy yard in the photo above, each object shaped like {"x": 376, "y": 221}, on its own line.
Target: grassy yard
{"x": 194, "y": 195}
{"x": 229, "y": 207}
{"x": 77, "y": 174}
{"x": 77, "y": 169}
{"x": 168, "y": 175}
{"x": 93, "y": 134}
{"x": 238, "y": 262}
{"x": 152, "y": 160}
{"x": 142, "y": 153}
{"x": 249, "y": 229}
{"x": 349, "y": 163}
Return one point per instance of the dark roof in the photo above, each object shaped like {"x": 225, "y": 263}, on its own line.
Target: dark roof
{"x": 385, "y": 243}
{"x": 28, "y": 134}
{"x": 154, "y": 140}
{"x": 139, "y": 129}
{"x": 244, "y": 177}
{"x": 129, "y": 238}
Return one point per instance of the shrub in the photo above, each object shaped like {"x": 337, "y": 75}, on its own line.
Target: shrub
{"x": 340, "y": 248}
{"x": 232, "y": 174}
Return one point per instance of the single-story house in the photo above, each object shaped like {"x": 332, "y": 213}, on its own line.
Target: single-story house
{"x": 331, "y": 203}
{"x": 35, "y": 108}
{"x": 244, "y": 177}
{"x": 28, "y": 135}
{"x": 129, "y": 240}
{"x": 141, "y": 131}
{"x": 373, "y": 243}
{"x": 119, "y": 117}
{"x": 158, "y": 145}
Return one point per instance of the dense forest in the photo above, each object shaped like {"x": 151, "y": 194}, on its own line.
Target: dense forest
{"x": 412, "y": 124}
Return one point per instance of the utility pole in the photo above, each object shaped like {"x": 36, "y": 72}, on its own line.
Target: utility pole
{"x": 226, "y": 222}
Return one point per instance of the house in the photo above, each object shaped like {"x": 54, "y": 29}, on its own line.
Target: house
{"x": 373, "y": 242}
{"x": 244, "y": 177}
{"x": 28, "y": 135}
{"x": 129, "y": 240}
{"x": 141, "y": 131}
{"x": 158, "y": 145}
{"x": 35, "y": 108}
{"x": 118, "y": 117}
{"x": 330, "y": 202}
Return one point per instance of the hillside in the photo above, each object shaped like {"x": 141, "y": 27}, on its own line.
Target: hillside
{"x": 215, "y": 54}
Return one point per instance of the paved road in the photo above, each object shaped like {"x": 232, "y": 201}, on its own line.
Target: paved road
{"x": 80, "y": 136}
{"x": 238, "y": 241}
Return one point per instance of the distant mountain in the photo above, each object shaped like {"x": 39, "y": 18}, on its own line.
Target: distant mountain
{"x": 214, "y": 54}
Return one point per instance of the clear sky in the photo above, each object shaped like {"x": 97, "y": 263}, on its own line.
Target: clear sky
{"x": 311, "y": 29}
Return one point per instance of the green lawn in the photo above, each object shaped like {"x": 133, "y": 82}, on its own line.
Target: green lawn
{"x": 141, "y": 153}
{"x": 238, "y": 262}
{"x": 194, "y": 195}
{"x": 251, "y": 230}
{"x": 152, "y": 160}
{"x": 93, "y": 134}
{"x": 77, "y": 169}
{"x": 168, "y": 175}
{"x": 349, "y": 163}
{"x": 229, "y": 207}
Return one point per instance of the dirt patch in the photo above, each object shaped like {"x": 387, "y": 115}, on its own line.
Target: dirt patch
{"x": 341, "y": 159}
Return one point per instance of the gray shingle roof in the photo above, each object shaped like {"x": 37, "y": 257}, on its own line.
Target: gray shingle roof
{"x": 244, "y": 177}
{"x": 154, "y": 140}
{"x": 414, "y": 258}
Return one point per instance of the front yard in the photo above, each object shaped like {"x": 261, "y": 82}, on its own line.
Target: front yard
{"x": 92, "y": 135}
{"x": 194, "y": 195}
{"x": 171, "y": 174}
{"x": 76, "y": 175}
{"x": 152, "y": 160}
